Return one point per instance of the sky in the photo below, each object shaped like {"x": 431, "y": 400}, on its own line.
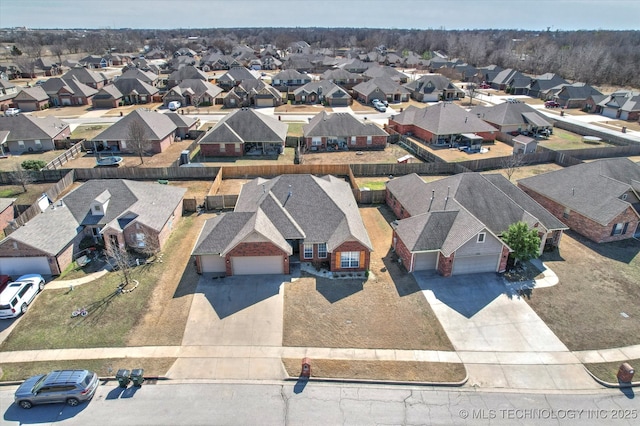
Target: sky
{"x": 415, "y": 14}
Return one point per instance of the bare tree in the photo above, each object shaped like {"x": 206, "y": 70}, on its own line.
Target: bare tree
{"x": 21, "y": 177}
{"x": 58, "y": 50}
{"x": 120, "y": 259}
{"x": 472, "y": 91}
{"x": 512, "y": 163}
{"x": 138, "y": 139}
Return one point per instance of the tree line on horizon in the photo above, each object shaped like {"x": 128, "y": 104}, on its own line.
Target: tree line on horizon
{"x": 595, "y": 57}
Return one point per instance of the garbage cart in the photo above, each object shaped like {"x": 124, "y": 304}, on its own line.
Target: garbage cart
{"x": 137, "y": 376}
{"x": 123, "y": 377}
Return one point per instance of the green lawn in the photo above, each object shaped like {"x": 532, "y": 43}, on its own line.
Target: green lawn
{"x": 562, "y": 139}
{"x": 88, "y": 131}
{"x": 374, "y": 185}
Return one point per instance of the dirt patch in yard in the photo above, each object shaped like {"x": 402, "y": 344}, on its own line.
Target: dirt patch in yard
{"x": 387, "y": 311}
{"x": 404, "y": 371}
{"x": 595, "y": 305}
{"x": 168, "y": 308}
{"x": 301, "y": 109}
{"x": 389, "y": 155}
{"x": 497, "y": 149}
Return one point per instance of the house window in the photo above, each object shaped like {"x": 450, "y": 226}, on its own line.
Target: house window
{"x": 566, "y": 212}
{"x": 21, "y": 144}
{"x": 140, "y": 239}
{"x": 222, "y": 147}
{"x": 97, "y": 209}
{"x": 237, "y": 147}
{"x": 38, "y": 144}
{"x": 316, "y": 141}
{"x": 624, "y": 196}
{"x": 322, "y": 250}
{"x": 350, "y": 259}
{"x": 308, "y": 251}
{"x": 482, "y": 237}
{"x": 369, "y": 140}
{"x": 620, "y": 228}
{"x": 353, "y": 140}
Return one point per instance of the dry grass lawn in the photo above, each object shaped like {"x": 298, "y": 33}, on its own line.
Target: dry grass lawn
{"x": 527, "y": 171}
{"x": 497, "y": 149}
{"x": 595, "y": 305}
{"x": 9, "y": 163}
{"x": 63, "y": 112}
{"x": 608, "y": 371}
{"x": 562, "y": 139}
{"x": 301, "y": 109}
{"x": 389, "y": 155}
{"x": 124, "y": 110}
{"x": 153, "y": 367}
{"x": 403, "y": 371}
{"x": 387, "y": 311}
{"x": 34, "y": 191}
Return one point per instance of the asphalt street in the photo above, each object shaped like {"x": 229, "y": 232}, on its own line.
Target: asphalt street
{"x": 297, "y": 403}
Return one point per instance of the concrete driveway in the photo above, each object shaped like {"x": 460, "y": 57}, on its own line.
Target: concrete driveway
{"x": 236, "y": 311}
{"x": 234, "y": 330}
{"x": 500, "y": 339}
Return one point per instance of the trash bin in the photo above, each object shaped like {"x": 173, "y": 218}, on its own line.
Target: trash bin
{"x": 137, "y": 376}
{"x": 123, "y": 377}
{"x": 626, "y": 372}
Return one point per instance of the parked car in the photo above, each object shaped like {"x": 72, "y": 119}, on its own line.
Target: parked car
{"x": 484, "y": 86}
{"x": 551, "y": 104}
{"x": 68, "y": 386}
{"x": 379, "y": 105}
{"x": 18, "y": 295}
{"x": 174, "y": 105}
{"x": 512, "y": 100}
{"x": 11, "y": 112}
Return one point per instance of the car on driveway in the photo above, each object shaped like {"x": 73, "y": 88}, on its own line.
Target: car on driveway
{"x": 18, "y": 295}
{"x": 551, "y": 104}
{"x": 60, "y": 386}
{"x": 11, "y": 112}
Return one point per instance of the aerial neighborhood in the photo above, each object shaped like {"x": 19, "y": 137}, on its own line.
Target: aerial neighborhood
{"x": 379, "y": 195}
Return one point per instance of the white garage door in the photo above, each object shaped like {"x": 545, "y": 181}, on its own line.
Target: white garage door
{"x": 264, "y": 102}
{"x": 24, "y": 265}
{"x": 475, "y": 264}
{"x": 257, "y": 265}
{"x": 212, "y": 263}
{"x": 610, "y": 112}
{"x": 425, "y": 261}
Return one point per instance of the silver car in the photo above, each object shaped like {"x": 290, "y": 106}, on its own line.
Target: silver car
{"x": 59, "y": 386}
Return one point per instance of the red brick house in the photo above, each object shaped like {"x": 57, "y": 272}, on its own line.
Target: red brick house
{"x": 6, "y": 211}
{"x": 453, "y": 225}
{"x": 111, "y": 211}
{"x": 244, "y": 132}
{"x": 31, "y": 99}
{"x": 600, "y": 199}
{"x": 341, "y": 131}
{"x": 160, "y": 131}
{"x": 441, "y": 124}
{"x": 285, "y": 219}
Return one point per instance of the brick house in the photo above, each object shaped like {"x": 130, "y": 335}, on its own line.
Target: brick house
{"x": 322, "y": 92}
{"x": 110, "y": 211}
{"x": 453, "y": 225}
{"x": 28, "y": 133}
{"x": 341, "y": 131}
{"x": 441, "y": 124}
{"x": 513, "y": 117}
{"x": 244, "y": 132}
{"x": 93, "y": 79}
{"x": 63, "y": 92}
{"x": 160, "y": 132}
{"x": 7, "y": 207}
{"x": 600, "y": 199}
{"x": 381, "y": 88}
{"x": 434, "y": 88}
{"x": 313, "y": 219}
{"x": 31, "y": 99}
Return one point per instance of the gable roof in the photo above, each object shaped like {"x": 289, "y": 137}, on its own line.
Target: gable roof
{"x": 199, "y": 87}
{"x": 384, "y": 71}
{"x": 510, "y": 114}
{"x": 591, "y": 189}
{"x": 128, "y": 198}
{"x": 109, "y": 91}
{"x": 443, "y": 119}
{"x": 385, "y": 84}
{"x": 84, "y": 75}
{"x": 157, "y": 126}
{"x": 340, "y": 124}
{"x": 489, "y": 199}
{"x": 29, "y": 127}
{"x": 290, "y": 74}
{"x": 35, "y": 93}
{"x": 73, "y": 86}
{"x": 237, "y": 74}
{"x": 323, "y": 87}
{"x": 246, "y": 125}
{"x": 430, "y": 83}
{"x": 128, "y": 86}
{"x": 181, "y": 120}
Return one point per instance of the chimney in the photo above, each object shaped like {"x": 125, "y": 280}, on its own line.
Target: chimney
{"x": 433, "y": 193}
{"x": 446, "y": 199}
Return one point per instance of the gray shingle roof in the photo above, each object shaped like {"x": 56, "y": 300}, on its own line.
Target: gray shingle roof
{"x": 6, "y": 202}
{"x": 109, "y": 91}
{"x": 591, "y": 189}
{"x": 247, "y": 125}
{"x": 340, "y": 124}
{"x": 510, "y": 114}
{"x": 151, "y": 204}
{"x": 385, "y": 84}
{"x": 318, "y": 210}
{"x": 36, "y": 93}
{"x": 443, "y": 119}
{"x": 84, "y": 75}
{"x": 29, "y": 127}
{"x": 157, "y": 126}
{"x": 73, "y": 86}
{"x": 127, "y": 86}
{"x": 497, "y": 206}
{"x": 323, "y": 87}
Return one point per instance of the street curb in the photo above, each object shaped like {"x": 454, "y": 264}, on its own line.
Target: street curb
{"x": 379, "y": 382}
{"x": 612, "y": 385}
{"x": 101, "y": 379}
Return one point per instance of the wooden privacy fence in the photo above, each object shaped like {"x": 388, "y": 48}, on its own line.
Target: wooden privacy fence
{"x": 221, "y": 202}
{"x": 69, "y": 154}
{"x": 250, "y": 172}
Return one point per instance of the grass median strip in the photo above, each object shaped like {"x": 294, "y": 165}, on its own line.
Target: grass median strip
{"x": 608, "y": 371}
{"x": 104, "y": 367}
{"x": 403, "y": 371}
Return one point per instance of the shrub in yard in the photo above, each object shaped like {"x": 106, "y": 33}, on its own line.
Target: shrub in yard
{"x": 33, "y": 164}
